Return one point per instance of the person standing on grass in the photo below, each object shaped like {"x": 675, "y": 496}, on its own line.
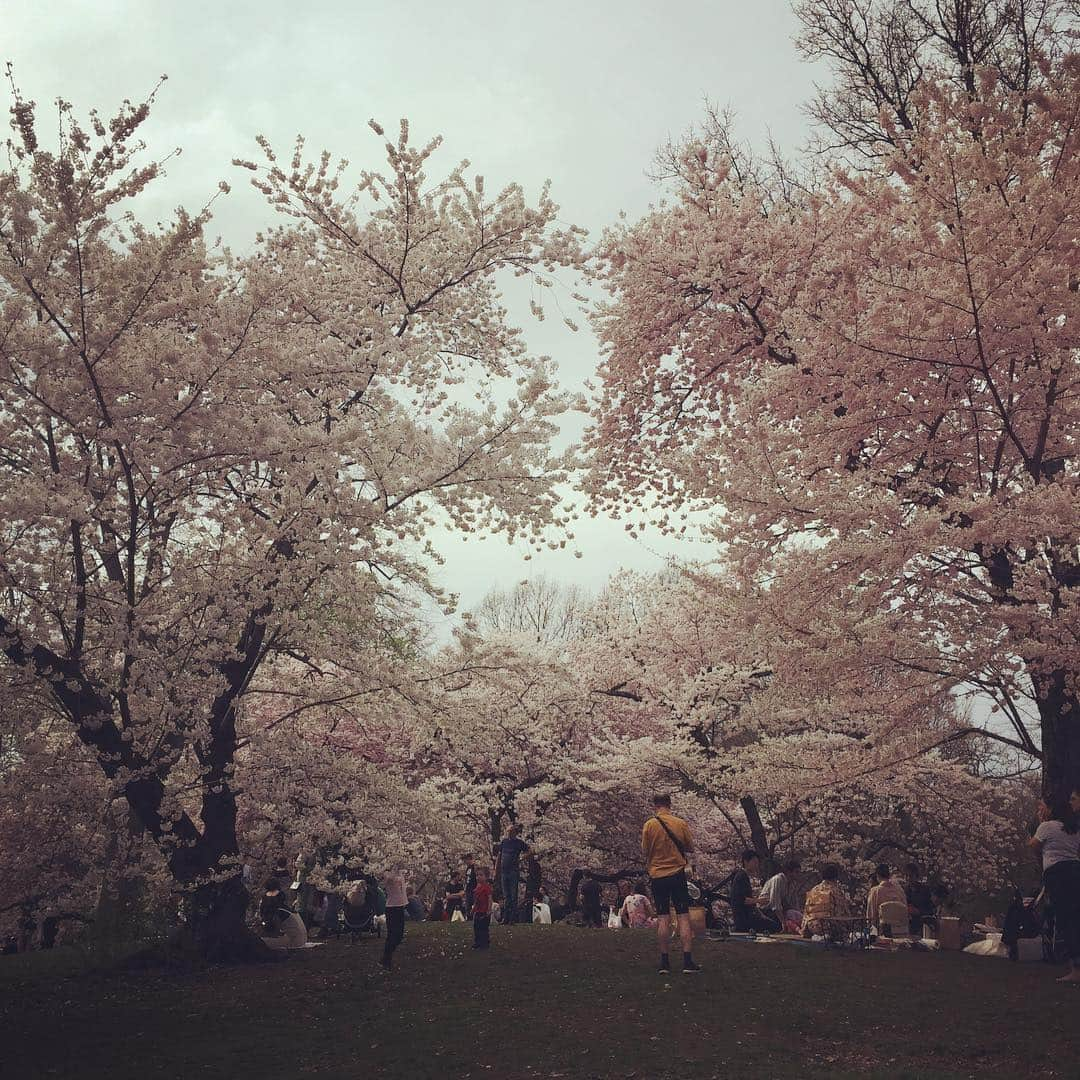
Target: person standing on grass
{"x": 533, "y": 883}
{"x": 509, "y": 869}
{"x": 481, "y": 910}
{"x": 591, "y": 897}
{"x": 396, "y": 901}
{"x": 666, "y": 846}
{"x": 470, "y": 884}
{"x": 1057, "y": 843}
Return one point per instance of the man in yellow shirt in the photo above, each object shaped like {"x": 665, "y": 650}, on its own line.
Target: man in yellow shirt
{"x": 666, "y": 846}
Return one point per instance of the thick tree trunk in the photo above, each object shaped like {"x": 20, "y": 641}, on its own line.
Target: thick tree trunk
{"x": 205, "y": 863}
{"x": 120, "y": 912}
{"x": 1059, "y": 714}
{"x": 215, "y": 923}
{"x": 216, "y": 902}
{"x": 757, "y": 833}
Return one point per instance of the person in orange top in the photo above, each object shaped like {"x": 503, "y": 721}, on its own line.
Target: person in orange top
{"x": 666, "y": 846}
{"x": 826, "y": 903}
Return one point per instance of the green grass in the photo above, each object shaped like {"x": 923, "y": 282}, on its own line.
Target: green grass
{"x": 544, "y": 1002}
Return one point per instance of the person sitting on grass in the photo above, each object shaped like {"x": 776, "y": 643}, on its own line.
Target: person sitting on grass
{"x": 746, "y": 913}
{"x": 825, "y": 902}
{"x": 637, "y": 909}
{"x": 541, "y": 912}
{"x": 941, "y": 898}
{"x": 274, "y": 909}
{"x": 780, "y": 898}
{"x": 453, "y": 896}
{"x": 887, "y": 891}
{"x": 414, "y": 906}
{"x": 282, "y": 927}
{"x": 919, "y": 899}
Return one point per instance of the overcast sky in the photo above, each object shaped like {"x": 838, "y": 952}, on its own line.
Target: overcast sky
{"x": 581, "y": 93}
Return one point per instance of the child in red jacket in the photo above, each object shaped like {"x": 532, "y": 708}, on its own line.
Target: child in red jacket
{"x": 482, "y": 910}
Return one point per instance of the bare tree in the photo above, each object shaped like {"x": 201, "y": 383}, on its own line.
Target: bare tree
{"x": 881, "y": 50}
{"x": 538, "y": 610}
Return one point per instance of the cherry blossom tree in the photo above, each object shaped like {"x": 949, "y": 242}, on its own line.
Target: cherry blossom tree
{"x": 341, "y": 794}
{"x": 209, "y": 464}
{"x": 71, "y": 856}
{"x": 505, "y": 733}
{"x": 873, "y": 380}
{"x": 765, "y": 753}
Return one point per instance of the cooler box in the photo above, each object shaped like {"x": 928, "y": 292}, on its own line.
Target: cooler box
{"x": 948, "y": 932}
{"x": 697, "y": 921}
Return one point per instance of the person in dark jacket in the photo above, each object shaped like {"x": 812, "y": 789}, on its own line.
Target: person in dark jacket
{"x": 274, "y": 909}
{"x": 919, "y": 899}
{"x": 591, "y": 902}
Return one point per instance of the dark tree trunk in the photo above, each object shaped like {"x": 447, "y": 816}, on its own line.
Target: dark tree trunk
{"x": 215, "y": 923}
{"x": 1059, "y": 714}
{"x": 205, "y": 863}
{"x": 757, "y": 833}
{"x": 216, "y": 901}
{"x": 626, "y": 874}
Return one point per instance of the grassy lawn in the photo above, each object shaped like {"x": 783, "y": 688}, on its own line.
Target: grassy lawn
{"x": 544, "y": 1002}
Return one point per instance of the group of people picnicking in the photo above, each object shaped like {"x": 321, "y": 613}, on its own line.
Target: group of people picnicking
{"x": 780, "y": 905}
{"x": 894, "y": 906}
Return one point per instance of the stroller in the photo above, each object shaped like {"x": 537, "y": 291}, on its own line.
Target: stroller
{"x": 359, "y": 911}
{"x": 1028, "y": 917}
{"x": 717, "y": 901}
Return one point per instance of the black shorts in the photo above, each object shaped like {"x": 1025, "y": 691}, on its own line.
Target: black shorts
{"x": 671, "y": 890}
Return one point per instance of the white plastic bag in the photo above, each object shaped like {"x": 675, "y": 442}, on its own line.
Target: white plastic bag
{"x": 457, "y": 916}
{"x": 613, "y": 921}
{"x": 542, "y": 914}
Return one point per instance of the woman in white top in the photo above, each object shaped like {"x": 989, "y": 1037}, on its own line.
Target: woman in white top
{"x": 396, "y": 899}
{"x": 1057, "y": 841}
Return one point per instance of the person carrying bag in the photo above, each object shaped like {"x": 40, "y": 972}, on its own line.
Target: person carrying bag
{"x": 666, "y": 845}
